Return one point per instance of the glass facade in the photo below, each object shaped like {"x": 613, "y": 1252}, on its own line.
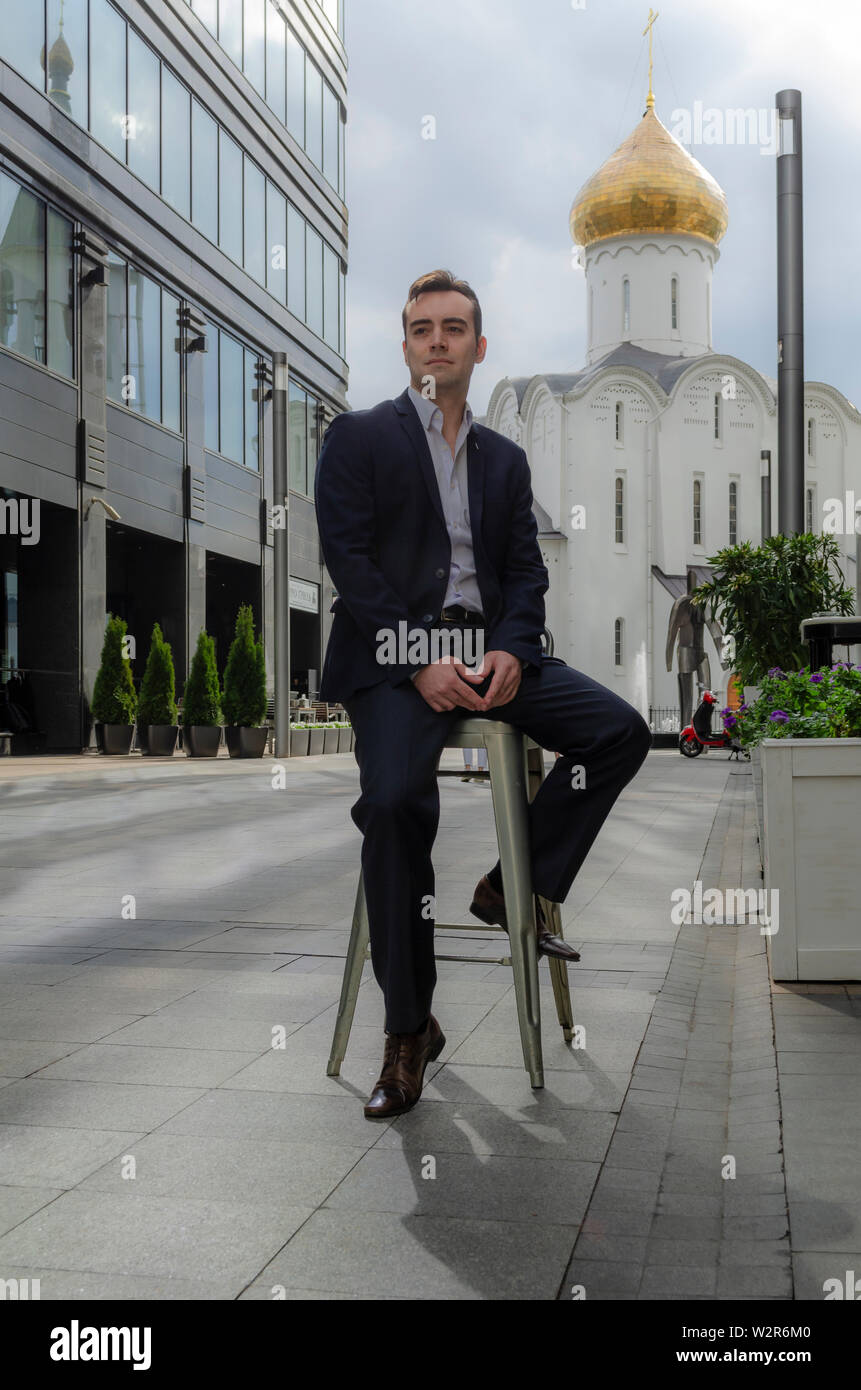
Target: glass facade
{"x": 36, "y": 280}
{"x": 231, "y": 413}
{"x": 141, "y": 112}
{"x": 302, "y": 437}
{"x": 143, "y": 362}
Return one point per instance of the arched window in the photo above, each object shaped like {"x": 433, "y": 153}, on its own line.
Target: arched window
{"x": 811, "y": 437}
{"x": 618, "y": 653}
{"x": 717, "y": 414}
{"x": 733, "y": 513}
{"x": 674, "y": 301}
{"x": 620, "y": 423}
{"x": 698, "y": 512}
{"x": 620, "y": 511}
{"x": 808, "y": 510}
{"x": 626, "y": 305}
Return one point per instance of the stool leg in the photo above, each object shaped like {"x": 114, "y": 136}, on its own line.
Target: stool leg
{"x": 509, "y": 786}
{"x": 553, "y": 918}
{"x": 357, "y": 950}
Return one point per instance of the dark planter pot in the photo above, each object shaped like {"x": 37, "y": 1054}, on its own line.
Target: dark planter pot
{"x": 315, "y": 740}
{"x": 243, "y": 742}
{"x": 330, "y": 740}
{"x": 202, "y": 740}
{"x": 158, "y": 740}
{"x": 114, "y": 739}
{"x": 298, "y": 741}
{"x": 343, "y": 740}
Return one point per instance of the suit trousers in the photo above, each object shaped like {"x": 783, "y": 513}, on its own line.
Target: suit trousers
{"x": 398, "y": 742}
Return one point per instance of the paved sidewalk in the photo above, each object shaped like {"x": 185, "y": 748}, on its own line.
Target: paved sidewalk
{"x": 161, "y": 1138}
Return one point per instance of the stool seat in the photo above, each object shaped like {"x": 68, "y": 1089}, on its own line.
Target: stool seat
{"x": 515, "y": 768}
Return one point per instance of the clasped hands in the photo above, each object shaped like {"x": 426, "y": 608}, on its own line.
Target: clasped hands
{"x": 447, "y": 683}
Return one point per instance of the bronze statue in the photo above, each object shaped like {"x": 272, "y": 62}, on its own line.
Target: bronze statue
{"x": 687, "y": 621}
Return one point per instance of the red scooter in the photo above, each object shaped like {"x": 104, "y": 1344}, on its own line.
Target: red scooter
{"x": 699, "y": 734}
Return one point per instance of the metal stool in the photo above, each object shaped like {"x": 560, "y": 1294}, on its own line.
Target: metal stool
{"x": 516, "y": 771}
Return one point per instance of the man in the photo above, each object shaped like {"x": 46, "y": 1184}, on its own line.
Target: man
{"x": 427, "y": 531}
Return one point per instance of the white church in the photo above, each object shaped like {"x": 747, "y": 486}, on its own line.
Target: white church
{"x": 650, "y": 458}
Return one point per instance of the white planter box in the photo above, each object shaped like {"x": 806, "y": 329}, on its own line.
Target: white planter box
{"x": 812, "y": 813}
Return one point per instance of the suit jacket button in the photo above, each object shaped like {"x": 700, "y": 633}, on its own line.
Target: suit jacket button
{"x": 440, "y": 574}
{"x": 427, "y": 617}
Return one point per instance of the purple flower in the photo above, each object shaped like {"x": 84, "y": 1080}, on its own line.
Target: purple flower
{"x": 730, "y": 721}
{"x": 775, "y": 671}
{"x": 817, "y": 678}
{"x": 779, "y": 716}
{"x": 743, "y": 709}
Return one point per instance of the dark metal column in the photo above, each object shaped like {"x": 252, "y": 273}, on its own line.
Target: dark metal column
{"x": 790, "y": 316}
{"x": 281, "y": 499}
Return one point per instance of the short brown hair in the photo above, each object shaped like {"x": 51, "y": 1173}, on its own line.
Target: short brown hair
{"x": 443, "y": 280}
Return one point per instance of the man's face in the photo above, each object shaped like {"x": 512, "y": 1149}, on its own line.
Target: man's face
{"x": 440, "y": 341}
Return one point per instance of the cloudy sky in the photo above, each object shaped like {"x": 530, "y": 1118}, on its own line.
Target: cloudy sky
{"x": 525, "y": 112}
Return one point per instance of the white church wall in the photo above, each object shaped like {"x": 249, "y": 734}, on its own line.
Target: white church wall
{"x": 649, "y": 263}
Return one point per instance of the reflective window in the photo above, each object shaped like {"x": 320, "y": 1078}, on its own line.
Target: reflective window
{"x": 313, "y": 113}
{"x": 276, "y": 61}
{"x": 276, "y": 243}
{"x": 61, "y": 295}
{"x": 252, "y": 414}
{"x": 295, "y": 262}
{"x": 255, "y": 222}
{"x": 144, "y": 392}
{"x": 22, "y": 270}
{"x": 230, "y": 397}
{"x": 255, "y": 43}
{"x": 341, "y": 164}
{"x": 170, "y": 379}
{"x": 208, "y": 11}
{"x": 22, "y": 38}
{"x": 67, "y": 66}
{"x": 116, "y": 337}
{"x": 176, "y": 144}
{"x": 314, "y": 280}
{"x": 210, "y": 389}
{"x": 330, "y": 135}
{"x": 342, "y": 325}
{"x": 230, "y": 29}
{"x": 143, "y": 124}
{"x": 297, "y": 443}
{"x": 295, "y": 87}
{"x": 108, "y": 77}
{"x": 313, "y": 430}
{"x": 230, "y": 197}
{"x": 204, "y": 162}
{"x": 330, "y": 296}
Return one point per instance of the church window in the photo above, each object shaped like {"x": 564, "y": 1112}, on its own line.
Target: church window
{"x": 620, "y": 423}
{"x": 733, "y": 513}
{"x": 811, "y": 436}
{"x": 626, "y": 305}
{"x": 698, "y": 512}
{"x": 620, "y": 511}
{"x": 717, "y": 415}
{"x": 674, "y": 301}
{"x": 808, "y": 510}
{"x": 618, "y": 653}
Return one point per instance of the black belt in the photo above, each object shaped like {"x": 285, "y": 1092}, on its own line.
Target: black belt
{"x": 455, "y": 613}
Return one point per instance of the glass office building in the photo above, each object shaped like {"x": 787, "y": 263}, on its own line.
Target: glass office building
{"x": 171, "y": 213}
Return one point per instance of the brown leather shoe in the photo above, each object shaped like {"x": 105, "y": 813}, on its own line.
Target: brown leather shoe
{"x": 404, "y": 1060}
{"x": 489, "y": 906}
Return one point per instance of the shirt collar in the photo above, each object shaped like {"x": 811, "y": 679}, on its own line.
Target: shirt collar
{"x": 427, "y": 409}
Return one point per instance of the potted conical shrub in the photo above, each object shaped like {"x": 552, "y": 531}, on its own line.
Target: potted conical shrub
{"x": 157, "y": 715}
{"x": 244, "y": 700}
{"x": 201, "y": 703}
{"x": 114, "y": 699}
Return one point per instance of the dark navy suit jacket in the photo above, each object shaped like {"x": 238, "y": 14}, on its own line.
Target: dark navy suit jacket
{"x": 386, "y": 545}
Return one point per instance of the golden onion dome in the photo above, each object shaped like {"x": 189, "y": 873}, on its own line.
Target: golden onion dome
{"x": 650, "y": 184}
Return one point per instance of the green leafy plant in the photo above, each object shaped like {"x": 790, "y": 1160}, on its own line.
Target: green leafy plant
{"x": 245, "y": 675}
{"x": 801, "y": 704}
{"x": 114, "y": 698}
{"x": 759, "y": 595}
{"x": 202, "y": 697}
{"x": 157, "y": 703}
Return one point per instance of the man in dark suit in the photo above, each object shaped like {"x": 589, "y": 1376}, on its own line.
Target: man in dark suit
{"x": 427, "y": 531}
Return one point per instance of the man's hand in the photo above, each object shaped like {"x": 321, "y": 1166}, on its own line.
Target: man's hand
{"x": 443, "y": 686}
{"x": 506, "y": 680}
